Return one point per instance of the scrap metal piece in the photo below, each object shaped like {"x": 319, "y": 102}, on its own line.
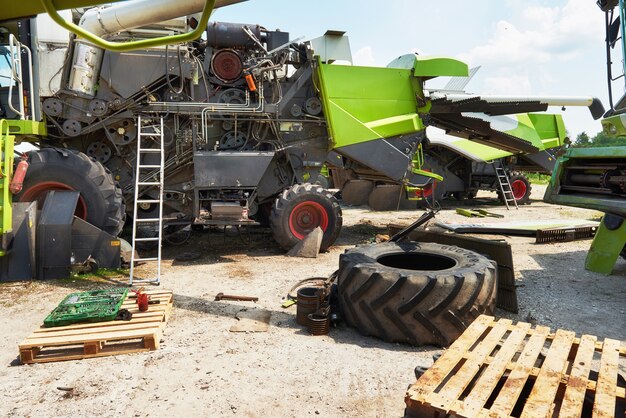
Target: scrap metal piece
{"x": 222, "y": 296}
{"x": 426, "y": 216}
{"x": 565, "y": 234}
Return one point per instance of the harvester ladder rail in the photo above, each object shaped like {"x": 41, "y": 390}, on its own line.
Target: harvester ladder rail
{"x": 147, "y": 136}
{"x": 17, "y": 78}
{"x": 505, "y": 186}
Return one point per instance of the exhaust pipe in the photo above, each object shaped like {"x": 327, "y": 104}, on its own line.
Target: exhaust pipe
{"x": 104, "y": 21}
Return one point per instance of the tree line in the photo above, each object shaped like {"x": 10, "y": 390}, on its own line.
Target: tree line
{"x": 601, "y": 139}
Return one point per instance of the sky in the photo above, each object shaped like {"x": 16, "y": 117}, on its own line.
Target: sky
{"x": 524, "y": 47}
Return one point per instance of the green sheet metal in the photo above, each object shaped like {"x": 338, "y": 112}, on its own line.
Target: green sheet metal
{"x": 605, "y": 249}
{"x": 369, "y": 103}
{"x": 428, "y": 67}
{"x": 615, "y": 125}
{"x": 6, "y": 170}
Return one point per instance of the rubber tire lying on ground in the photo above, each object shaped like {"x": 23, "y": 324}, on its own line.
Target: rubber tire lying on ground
{"x": 313, "y": 206}
{"x": 415, "y": 293}
{"x": 72, "y": 170}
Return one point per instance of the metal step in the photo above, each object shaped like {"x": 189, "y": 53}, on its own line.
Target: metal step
{"x": 147, "y": 259}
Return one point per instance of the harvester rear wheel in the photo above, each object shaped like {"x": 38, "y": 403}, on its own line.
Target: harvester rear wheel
{"x": 415, "y": 293}
{"x": 100, "y": 203}
{"x": 521, "y": 187}
{"x": 302, "y": 208}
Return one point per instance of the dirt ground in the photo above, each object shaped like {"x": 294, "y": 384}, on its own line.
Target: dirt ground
{"x": 203, "y": 369}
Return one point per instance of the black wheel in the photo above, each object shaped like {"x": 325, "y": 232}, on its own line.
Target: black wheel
{"x": 263, "y": 214}
{"x": 520, "y": 185}
{"x": 415, "y": 293}
{"x": 100, "y": 203}
{"x": 302, "y": 208}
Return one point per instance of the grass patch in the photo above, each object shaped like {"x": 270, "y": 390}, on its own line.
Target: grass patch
{"x": 536, "y": 178}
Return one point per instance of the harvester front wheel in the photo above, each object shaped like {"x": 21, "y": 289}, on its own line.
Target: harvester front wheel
{"x": 302, "y": 208}
{"x": 415, "y": 293}
{"x": 100, "y": 202}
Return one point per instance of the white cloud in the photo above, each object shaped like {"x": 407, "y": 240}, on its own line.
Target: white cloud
{"x": 541, "y": 35}
{"x": 364, "y": 56}
{"x": 511, "y": 84}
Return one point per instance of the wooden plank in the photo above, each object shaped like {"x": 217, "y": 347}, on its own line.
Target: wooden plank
{"x": 457, "y": 383}
{"x": 80, "y": 339}
{"x": 577, "y": 383}
{"x": 507, "y": 398}
{"x": 545, "y": 388}
{"x": 150, "y": 317}
{"x": 604, "y": 405}
{"x": 485, "y": 385}
{"x": 104, "y": 352}
{"x": 429, "y": 381}
{"x": 96, "y": 330}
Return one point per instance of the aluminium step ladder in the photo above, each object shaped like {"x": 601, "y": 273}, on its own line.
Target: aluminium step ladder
{"x": 148, "y": 176}
{"x": 505, "y": 187}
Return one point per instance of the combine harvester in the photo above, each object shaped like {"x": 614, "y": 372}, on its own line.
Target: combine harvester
{"x": 232, "y": 129}
{"x": 595, "y": 178}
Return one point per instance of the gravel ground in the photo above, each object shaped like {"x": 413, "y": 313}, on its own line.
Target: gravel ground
{"x": 203, "y": 369}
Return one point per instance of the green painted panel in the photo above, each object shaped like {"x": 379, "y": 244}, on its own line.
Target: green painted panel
{"x": 605, "y": 249}
{"x": 368, "y": 103}
{"x": 615, "y": 125}
{"x": 27, "y": 127}
{"x": 431, "y": 66}
{"x": 6, "y": 167}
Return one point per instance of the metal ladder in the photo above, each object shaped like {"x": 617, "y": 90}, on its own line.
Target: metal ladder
{"x": 505, "y": 186}
{"x": 148, "y": 176}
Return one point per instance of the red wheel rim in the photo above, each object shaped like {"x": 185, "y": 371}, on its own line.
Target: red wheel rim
{"x": 519, "y": 189}
{"x": 307, "y": 216}
{"x": 428, "y": 190}
{"x": 39, "y": 191}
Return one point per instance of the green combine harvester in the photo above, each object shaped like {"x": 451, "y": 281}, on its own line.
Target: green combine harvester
{"x": 233, "y": 128}
{"x": 595, "y": 178}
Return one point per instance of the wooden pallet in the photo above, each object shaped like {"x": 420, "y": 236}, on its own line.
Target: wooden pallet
{"x": 497, "y": 369}
{"x": 142, "y": 333}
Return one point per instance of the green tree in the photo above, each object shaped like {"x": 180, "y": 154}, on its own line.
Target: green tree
{"x": 601, "y": 139}
{"x": 582, "y": 140}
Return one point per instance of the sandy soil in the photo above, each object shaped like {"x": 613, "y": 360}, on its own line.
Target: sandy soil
{"x": 203, "y": 369}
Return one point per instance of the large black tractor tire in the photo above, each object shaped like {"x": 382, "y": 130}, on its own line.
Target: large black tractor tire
{"x": 521, "y": 188}
{"x": 100, "y": 203}
{"x": 302, "y": 208}
{"x": 415, "y": 293}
